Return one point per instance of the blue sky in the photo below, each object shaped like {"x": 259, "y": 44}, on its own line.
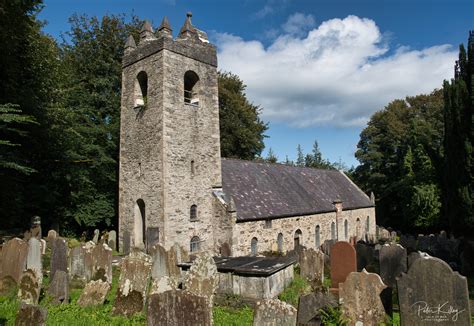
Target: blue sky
{"x": 319, "y": 69}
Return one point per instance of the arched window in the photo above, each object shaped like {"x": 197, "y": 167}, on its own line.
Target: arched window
{"x": 298, "y": 238}
{"x": 367, "y": 225}
{"x": 191, "y": 88}
{"x": 141, "y": 89}
{"x": 358, "y": 228}
{"x": 193, "y": 215}
{"x": 192, "y": 167}
{"x": 139, "y": 224}
{"x": 195, "y": 244}
{"x": 280, "y": 242}
{"x": 333, "y": 231}
{"x": 253, "y": 247}
{"x": 318, "y": 237}
{"x": 346, "y": 230}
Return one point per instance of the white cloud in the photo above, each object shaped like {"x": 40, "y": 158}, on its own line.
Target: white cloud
{"x": 336, "y": 74}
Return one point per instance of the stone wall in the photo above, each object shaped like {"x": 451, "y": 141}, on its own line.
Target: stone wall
{"x": 267, "y": 236}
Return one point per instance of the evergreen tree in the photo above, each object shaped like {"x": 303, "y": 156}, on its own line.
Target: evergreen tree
{"x": 300, "y": 158}
{"x": 458, "y": 181}
{"x": 271, "y": 157}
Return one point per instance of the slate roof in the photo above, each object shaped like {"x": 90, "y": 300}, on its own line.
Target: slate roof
{"x": 267, "y": 191}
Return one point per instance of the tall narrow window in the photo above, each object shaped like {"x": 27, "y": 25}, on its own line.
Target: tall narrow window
{"x": 195, "y": 244}
{"x": 253, "y": 247}
{"x": 358, "y": 228}
{"x": 318, "y": 236}
{"x": 280, "y": 242}
{"x": 191, "y": 88}
{"x": 346, "y": 230}
{"x": 298, "y": 238}
{"x": 367, "y": 225}
{"x": 193, "y": 213}
{"x": 141, "y": 89}
{"x": 192, "y": 168}
{"x": 333, "y": 231}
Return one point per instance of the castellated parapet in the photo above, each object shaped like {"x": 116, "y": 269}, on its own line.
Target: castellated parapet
{"x": 169, "y": 139}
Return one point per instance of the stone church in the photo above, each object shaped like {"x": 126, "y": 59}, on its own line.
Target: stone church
{"x": 174, "y": 187}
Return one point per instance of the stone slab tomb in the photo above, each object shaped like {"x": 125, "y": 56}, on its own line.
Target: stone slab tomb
{"x": 14, "y": 254}
{"x": 31, "y": 315}
{"x": 177, "y": 307}
{"x": 312, "y": 265}
{"x": 343, "y": 262}
{"x": 310, "y": 305}
{"x": 274, "y": 312}
{"x": 360, "y": 299}
{"x": 29, "y": 287}
{"x": 393, "y": 262}
{"x": 58, "y": 256}
{"x": 430, "y": 293}
{"x": 94, "y": 293}
{"x": 135, "y": 273}
{"x": 59, "y": 288}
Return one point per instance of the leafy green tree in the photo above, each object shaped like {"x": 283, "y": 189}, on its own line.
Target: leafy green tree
{"x": 458, "y": 181}
{"x": 242, "y": 130}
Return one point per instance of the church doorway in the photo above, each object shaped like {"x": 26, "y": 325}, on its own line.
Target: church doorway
{"x": 297, "y": 238}
{"x": 139, "y": 224}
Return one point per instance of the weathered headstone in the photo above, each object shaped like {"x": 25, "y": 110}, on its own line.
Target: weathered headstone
{"x": 58, "y": 256}
{"x": 177, "y": 307}
{"x": 327, "y": 245}
{"x": 52, "y": 234}
{"x": 163, "y": 284}
{"x": 312, "y": 265}
{"x": 423, "y": 243}
{"x": 77, "y": 267}
{"x": 343, "y": 262}
{"x": 126, "y": 242}
{"x": 408, "y": 242}
{"x": 95, "y": 239}
{"x": 59, "y": 287}
{"x": 202, "y": 278}
{"x": 152, "y": 237}
{"x": 274, "y": 313}
{"x": 432, "y": 294}
{"x": 310, "y": 306}
{"x": 98, "y": 262}
{"x": 134, "y": 277}
{"x": 31, "y": 315}
{"x": 33, "y": 259}
{"x": 393, "y": 262}
{"x": 112, "y": 240}
{"x": 44, "y": 246}
{"x": 29, "y": 288}
{"x": 7, "y": 285}
{"x": 94, "y": 293}
{"x": 365, "y": 257}
{"x": 13, "y": 259}
{"x": 414, "y": 256}
{"x": 359, "y": 296}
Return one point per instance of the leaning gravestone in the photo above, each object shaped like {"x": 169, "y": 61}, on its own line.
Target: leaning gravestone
{"x": 33, "y": 259}
{"x": 202, "y": 278}
{"x": 343, "y": 262}
{"x": 29, "y": 288}
{"x": 177, "y": 307}
{"x": 133, "y": 282}
{"x": 95, "y": 239}
{"x": 393, "y": 262}
{"x": 98, "y": 262}
{"x": 360, "y": 298}
{"x": 312, "y": 265}
{"x": 310, "y": 306}
{"x": 432, "y": 294}
{"x": 58, "y": 256}
{"x": 164, "y": 262}
{"x": 94, "y": 294}
{"x": 31, "y": 315}
{"x": 274, "y": 312}
{"x": 59, "y": 287}
{"x": 77, "y": 270}
{"x": 112, "y": 240}
{"x": 13, "y": 259}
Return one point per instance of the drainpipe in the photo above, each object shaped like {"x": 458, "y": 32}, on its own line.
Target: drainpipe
{"x": 338, "y": 206}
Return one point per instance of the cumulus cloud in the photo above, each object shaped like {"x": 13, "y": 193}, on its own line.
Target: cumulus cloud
{"x": 337, "y": 74}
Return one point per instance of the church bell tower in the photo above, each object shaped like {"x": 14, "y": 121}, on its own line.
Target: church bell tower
{"x": 169, "y": 139}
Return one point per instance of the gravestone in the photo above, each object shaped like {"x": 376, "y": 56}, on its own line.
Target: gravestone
{"x": 31, "y": 315}
{"x": 52, "y": 234}
{"x": 33, "y": 259}
{"x": 44, "y": 246}
{"x": 312, "y": 265}
{"x": 414, "y": 256}
{"x": 13, "y": 258}
{"x": 77, "y": 267}
{"x": 202, "y": 278}
{"x": 29, "y": 287}
{"x": 164, "y": 262}
{"x": 365, "y": 257}
{"x": 393, "y": 262}
{"x": 95, "y": 239}
{"x": 94, "y": 293}
{"x": 7, "y": 285}
{"x": 310, "y": 305}
{"x": 327, "y": 245}
{"x": 423, "y": 243}
{"x": 343, "y": 262}
{"x": 152, "y": 237}
{"x": 467, "y": 258}
{"x": 58, "y": 256}
{"x": 360, "y": 299}
{"x": 98, "y": 262}
{"x": 432, "y": 294}
{"x": 126, "y": 242}
{"x": 274, "y": 312}
{"x": 59, "y": 287}
{"x": 164, "y": 284}
{"x": 36, "y": 227}
{"x": 27, "y": 235}
{"x": 408, "y": 242}
{"x": 112, "y": 240}
{"x": 177, "y": 307}
{"x": 134, "y": 276}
